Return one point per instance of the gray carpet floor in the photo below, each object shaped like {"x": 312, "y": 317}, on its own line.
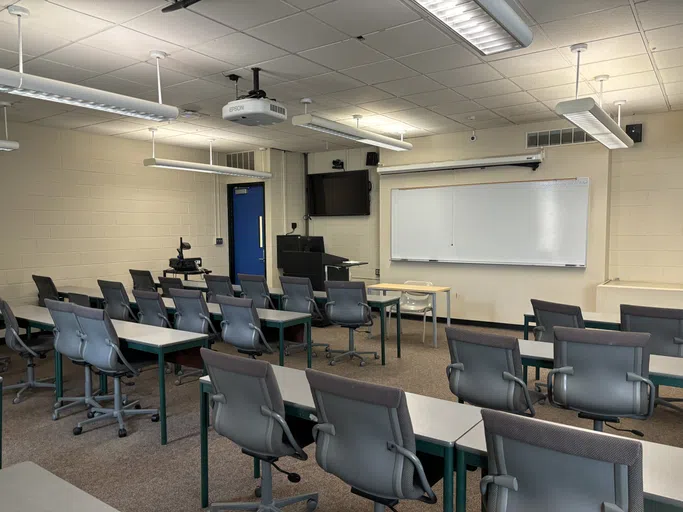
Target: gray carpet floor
{"x": 137, "y": 474}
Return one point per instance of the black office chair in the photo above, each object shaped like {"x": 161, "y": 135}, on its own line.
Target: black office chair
{"x": 256, "y": 288}
{"x": 143, "y": 280}
{"x": 151, "y": 308}
{"x": 241, "y": 326}
{"x": 46, "y": 289}
{"x": 116, "y": 301}
{"x": 300, "y": 298}
{"x": 218, "y": 285}
{"x": 79, "y": 299}
{"x": 169, "y": 283}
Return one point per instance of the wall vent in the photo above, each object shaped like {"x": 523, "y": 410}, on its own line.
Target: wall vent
{"x": 562, "y": 137}
{"x": 243, "y": 160}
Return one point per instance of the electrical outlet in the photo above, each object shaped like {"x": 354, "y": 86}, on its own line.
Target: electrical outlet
{"x": 376, "y": 272}
{"x": 219, "y": 241}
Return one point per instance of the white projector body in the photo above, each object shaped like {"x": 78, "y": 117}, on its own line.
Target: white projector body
{"x": 255, "y": 112}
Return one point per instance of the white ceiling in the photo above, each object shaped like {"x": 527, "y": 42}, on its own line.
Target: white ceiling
{"x": 404, "y": 75}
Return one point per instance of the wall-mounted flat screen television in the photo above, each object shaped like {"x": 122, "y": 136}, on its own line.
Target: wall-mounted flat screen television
{"x": 339, "y": 193}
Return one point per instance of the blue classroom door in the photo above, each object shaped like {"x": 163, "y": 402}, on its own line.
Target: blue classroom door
{"x": 249, "y": 230}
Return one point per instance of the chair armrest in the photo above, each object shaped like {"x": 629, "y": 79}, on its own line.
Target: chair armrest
{"x": 634, "y": 377}
{"x": 164, "y": 319}
{"x": 610, "y": 507}
{"x": 368, "y": 312}
{"x": 431, "y": 497}
{"x": 316, "y": 309}
{"x": 678, "y": 341}
{"x": 208, "y": 321}
{"x": 21, "y": 342}
{"x": 130, "y": 311}
{"x": 537, "y": 331}
{"x": 269, "y": 300}
{"x": 123, "y": 359}
{"x": 511, "y": 378}
{"x": 458, "y": 367}
{"x": 328, "y": 305}
{"x": 263, "y": 338}
{"x": 507, "y": 481}
{"x": 565, "y": 370}
{"x": 290, "y": 437}
{"x": 326, "y": 428}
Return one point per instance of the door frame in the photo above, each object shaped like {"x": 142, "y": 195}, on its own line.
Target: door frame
{"x": 231, "y": 233}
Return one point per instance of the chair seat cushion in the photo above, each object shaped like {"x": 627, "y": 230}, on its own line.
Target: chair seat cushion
{"x": 136, "y": 358}
{"x": 41, "y": 343}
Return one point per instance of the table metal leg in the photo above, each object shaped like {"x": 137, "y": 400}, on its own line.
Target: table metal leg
{"x": 382, "y": 334}
{"x": 59, "y": 379}
{"x": 162, "y": 397}
{"x": 398, "y": 329}
{"x": 448, "y": 480}
{"x": 525, "y": 369}
{"x": 204, "y": 444}
{"x": 434, "y": 340}
{"x": 460, "y": 482}
{"x": 448, "y": 308}
{"x": 257, "y": 468}
{"x": 309, "y": 343}
{"x": 281, "y": 330}
{"x": 103, "y": 384}
{"x": 526, "y": 327}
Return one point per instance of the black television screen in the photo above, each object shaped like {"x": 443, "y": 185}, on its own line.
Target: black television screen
{"x": 339, "y": 193}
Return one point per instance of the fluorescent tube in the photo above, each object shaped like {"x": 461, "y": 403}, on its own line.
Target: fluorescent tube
{"x": 586, "y": 114}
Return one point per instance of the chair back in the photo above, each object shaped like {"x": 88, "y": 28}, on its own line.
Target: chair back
{"x": 256, "y": 289}
{"x": 413, "y": 300}
{"x": 551, "y": 314}
{"x": 486, "y": 370}
{"x": 241, "y": 326}
{"x": 100, "y": 341}
{"x": 347, "y": 303}
{"x": 360, "y": 426}
{"x": 538, "y": 465}
{"x": 602, "y": 372}
{"x": 143, "y": 280}
{"x": 170, "y": 283}
{"x": 46, "y": 289}
{"x": 151, "y": 308}
{"x": 218, "y": 285}
{"x": 116, "y": 301}
{"x": 665, "y": 326}
{"x": 11, "y": 328}
{"x": 79, "y": 299}
{"x": 67, "y": 330}
{"x": 244, "y": 389}
{"x": 298, "y": 295}
{"x": 192, "y": 313}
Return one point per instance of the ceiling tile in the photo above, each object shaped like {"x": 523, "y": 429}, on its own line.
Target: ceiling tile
{"x": 243, "y": 14}
{"x": 289, "y": 91}
{"x": 240, "y": 49}
{"x": 361, "y": 17}
{"x": 450, "y": 128}
{"x": 195, "y": 64}
{"x": 325, "y": 102}
{"x": 674, "y": 88}
{"x": 506, "y": 100}
{"x": 546, "y": 79}
{"x": 111, "y": 127}
{"x": 297, "y": 33}
{"x": 116, "y": 12}
{"x": 491, "y": 123}
{"x": 71, "y": 120}
{"x": 49, "y": 69}
{"x": 665, "y": 38}
{"x": 412, "y": 85}
{"x": 384, "y": 71}
{"x": 618, "y": 83}
{"x": 36, "y": 42}
{"x": 28, "y": 110}
{"x": 128, "y": 42}
{"x": 478, "y": 115}
{"x": 534, "y": 118}
{"x": 609, "y": 49}
{"x": 459, "y": 107}
{"x": 561, "y": 91}
{"x": 548, "y": 60}
{"x": 425, "y": 119}
{"x": 522, "y": 110}
{"x": 660, "y": 13}
{"x": 307, "y": 4}
{"x": 347, "y": 54}
{"x": 448, "y": 57}
{"x": 590, "y": 27}
{"x": 338, "y": 114}
{"x": 195, "y": 90}
{"x": 117, "y": 85}
{"x": 56, "y": 20}
{"x": 467, "y": 75}
{"x": 90, "y": 58}
{"x": 390, "y": 105}
{"x": 292, "y": 67}
{"x": 414, "y": 37}
{"x": 672, "y": 74}
{"x": 544, "y": 10}
{"x": 540, "y": 43}
{"x": 616, "y": 67}
{"x": 485, "y": 89}
{"x": 146, "y": 74}
{"x": 432, "y": 98}
{"x": 361, "y": 95}
{"x": 8, "y": 59}
{"x": 329, "y": 83}
{"x": 669, "y": 58}
{"x": 181, "y": 27}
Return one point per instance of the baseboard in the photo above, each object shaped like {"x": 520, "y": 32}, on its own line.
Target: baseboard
{"x": 463, "y": 321}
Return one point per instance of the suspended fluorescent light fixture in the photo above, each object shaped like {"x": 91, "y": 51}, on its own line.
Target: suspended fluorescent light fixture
{"x": 323, "y": 125}
{"x": 586, "y": 114}
{"x": 489, "y": 26}
{"x": 6, "y": 144}
{"x": 31, "y": 86}
{"x": 209, "y": 168}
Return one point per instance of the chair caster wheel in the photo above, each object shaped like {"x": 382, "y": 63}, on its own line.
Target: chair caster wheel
{"x": 362, "y": 363}
{"x": 90, "y": 415}
{"x": 78, "y": 431}
{"x": 168, "y": 371}
{"x": 311, "y": 504}
{"x": 257, "y": 492}
{"x": 332, "y": 363}
{"x": 55, "y": 416}
{"x": 177, "y": 382}
{"x": 137, "y": 406}
{"x": 328, "y": 355}
{"x": 16, "y": 400}
{"x": 155, "y": 418}
{"x": 314, "y": 354}
{"x": 376, "y": 356}
{"x": 122, "y": 432}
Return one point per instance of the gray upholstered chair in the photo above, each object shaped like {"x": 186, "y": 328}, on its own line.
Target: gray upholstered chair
{"x": 256, "y": 288}
{"x": 248, "y": 409}
{"x": 550, "y": 315}
{"x": 603, "y": 375}
{"x": 538, "y": 465}
{"x": 486, "y": 371}
{"x": 192, "y": 315}
{"x": 151, "y": 308}
{"x": 35, "y": 347}
{"x": 218, "y": 285}
{"x": 143, "y": 280}
{"x": 347, "y": 305}
{"x": 102, "y": 350}
{"x": 79, "y": 299}
{"x": 169, "y": 283}
{"x": 364, "y": 436}
{"x": 665, "y": 326}
{"x": 298, "y": 297}
{"x": 46, "y": 289}
{"x": 68, "y": 342}
{"x": 241, "y": 326}
{"x": 116, "y": 301}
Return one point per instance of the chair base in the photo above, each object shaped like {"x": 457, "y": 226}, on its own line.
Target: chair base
{"x": 669, "y": 403}
{"x": 31, "y": 382}
{"x": 350, "y": 354}
{"x": 301, "y": 347}
{"x": 182, "y": 375}
{"x": 5, "y": 361}
{"x": 119, "y": 411}
{"x": 90, "y": 400}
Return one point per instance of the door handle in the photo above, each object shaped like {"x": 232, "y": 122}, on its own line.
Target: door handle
{"x": 260, "y": 231}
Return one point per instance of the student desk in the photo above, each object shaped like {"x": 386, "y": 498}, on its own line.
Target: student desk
{"x": 606, "y": 321}
{"x": 145, "y": 338}
{"x": 437, "y": 424}
{"x": 662, "y": 469}
{"x": 429, "y": 290}
{"x": 27, "y": 487}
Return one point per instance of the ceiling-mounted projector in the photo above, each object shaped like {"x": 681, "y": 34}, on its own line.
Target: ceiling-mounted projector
{"x": 254, "y": 109}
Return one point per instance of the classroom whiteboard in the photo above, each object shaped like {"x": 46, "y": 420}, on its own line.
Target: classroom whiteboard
{"x": 518, "y": 223}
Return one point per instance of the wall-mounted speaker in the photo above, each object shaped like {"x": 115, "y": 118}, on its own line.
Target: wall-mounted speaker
{"x": 372, "y": 158}
{"x": 635, "y": 131}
